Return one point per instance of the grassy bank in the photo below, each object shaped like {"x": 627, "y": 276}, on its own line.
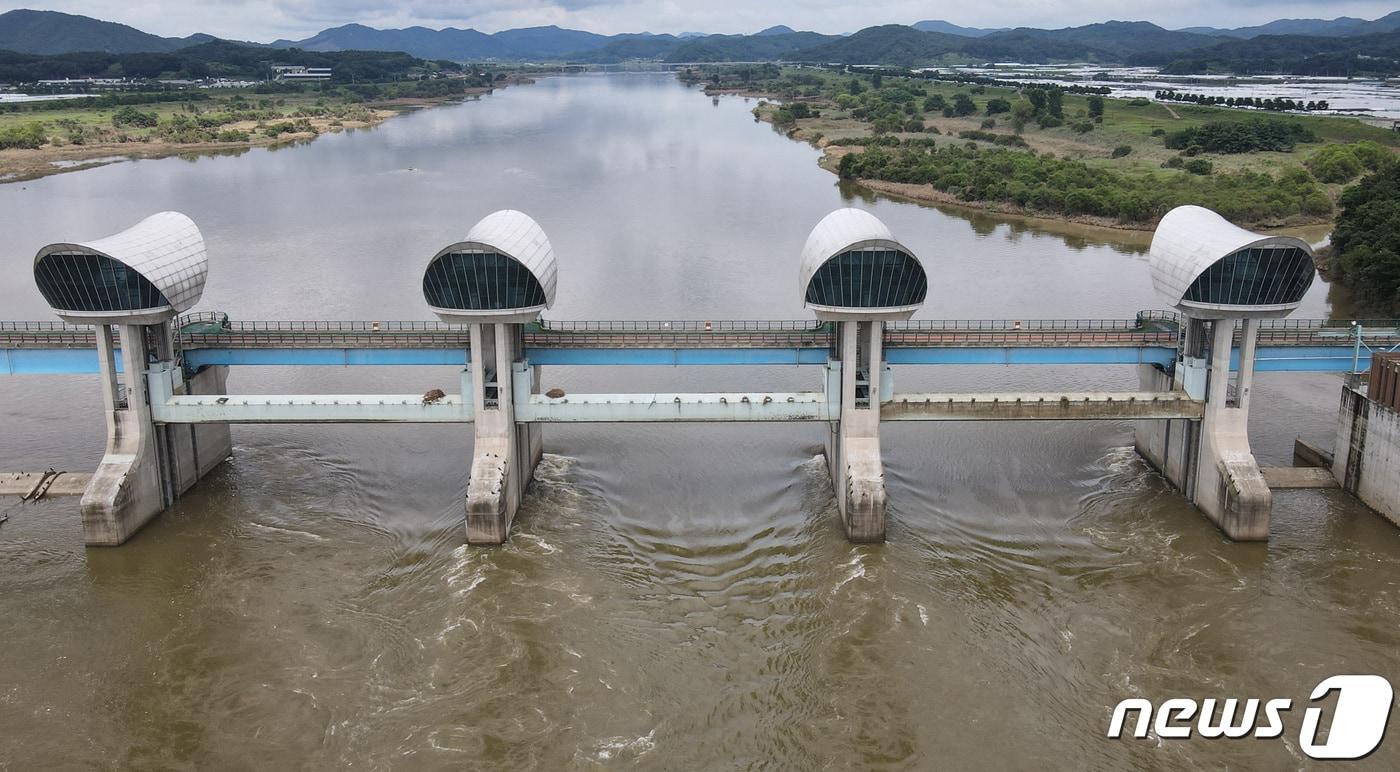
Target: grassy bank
{"x": 42, "y": 138}
{"x": 1074, "y": 156}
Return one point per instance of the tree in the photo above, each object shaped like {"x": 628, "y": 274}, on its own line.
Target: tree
{"x": 963, "y": 105}
{"x": 1055, "y": 99}
{"x": 1367, "y": 240}
{"x": 1095, "y": 107}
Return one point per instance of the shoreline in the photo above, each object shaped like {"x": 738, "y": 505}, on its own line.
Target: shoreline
{"x": 817, "y": 130}
{"x": 927, "y": 194}
{"x": 22, "y": 165}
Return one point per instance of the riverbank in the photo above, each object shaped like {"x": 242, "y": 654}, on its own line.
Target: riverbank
{"x": 233, "y": 123}
{"x": 1078, "y": 158}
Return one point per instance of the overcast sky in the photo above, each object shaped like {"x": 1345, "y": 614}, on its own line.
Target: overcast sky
{"x": 265, "y": 20}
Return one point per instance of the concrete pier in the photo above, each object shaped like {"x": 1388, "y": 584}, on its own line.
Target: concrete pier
{"x": 146, "y": 465}
{"x": 506, "y": 451}
{"x": 853, "y": 441}
{"x": 1210, "y": 460}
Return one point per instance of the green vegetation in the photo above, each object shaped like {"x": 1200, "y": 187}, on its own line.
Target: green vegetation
{"x": 1241, "y": 136}
{"x": 1342, "y": 163}
{"x": 1124, "y": 159}
{"x": 1367, "y": 241}
{"x": 27, "y": 136}
{"x": 218, "y": 59}
{"x": 1046, "y": 185}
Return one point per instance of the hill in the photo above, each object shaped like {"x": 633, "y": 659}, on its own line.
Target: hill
{"x": 452, "y": 43}
{"x": 51, "y": 32}
{"x": 949, "y": 28}
{"x": 745, "y": 48}
{"x": 902, "y": 46}
{"x": 892, "y": 44}
{"x": 1342, "y": 26}
{"x": 217, "y": 58}
{"x": 1290, "y": 54}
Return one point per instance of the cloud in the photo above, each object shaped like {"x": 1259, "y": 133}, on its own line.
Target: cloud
{"x": 265, "y": 20}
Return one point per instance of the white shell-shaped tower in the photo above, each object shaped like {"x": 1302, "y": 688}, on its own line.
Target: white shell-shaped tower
{"x": 1208, "y": 268}
{"x": 147, "y": 273}
{"x": 504, "y": 271}
{"x": 854, "y": 268}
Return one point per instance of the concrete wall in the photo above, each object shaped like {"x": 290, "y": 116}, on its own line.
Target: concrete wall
{"x": 1366, "y": 459}
{"x": 1170, "y": 446}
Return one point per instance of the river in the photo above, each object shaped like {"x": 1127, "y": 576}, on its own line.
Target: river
{"x": 672, "y": 596}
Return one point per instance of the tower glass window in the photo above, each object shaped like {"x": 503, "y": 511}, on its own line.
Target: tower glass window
{"x": 76, "y": 281}
{"x": 868, "y": 278}
{"x": 481, "y": 281}
{"x": 1258, "y": 276}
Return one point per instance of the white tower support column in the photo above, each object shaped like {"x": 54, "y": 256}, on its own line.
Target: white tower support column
{"x": 146, "y": 466}
{"x": 506, "y": 452}
{"x": 853, "y": 443}
{"x": 1230, "y": 489}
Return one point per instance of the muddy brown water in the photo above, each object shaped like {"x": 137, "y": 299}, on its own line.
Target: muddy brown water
{"x": 673, "y": 596}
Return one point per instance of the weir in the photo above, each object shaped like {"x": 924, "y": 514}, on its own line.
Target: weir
{"x": 163, "y": 371}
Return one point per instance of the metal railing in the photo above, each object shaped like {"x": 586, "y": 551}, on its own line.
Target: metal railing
{"x": 211, "y": 329}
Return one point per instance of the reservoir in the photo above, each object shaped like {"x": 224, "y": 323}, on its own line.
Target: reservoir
{"x": 672, "y": 595}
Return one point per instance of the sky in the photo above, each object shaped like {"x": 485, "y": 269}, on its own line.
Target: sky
{"x": 266, "y": 20}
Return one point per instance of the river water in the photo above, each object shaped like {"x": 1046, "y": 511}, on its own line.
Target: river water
{"x": 672, "y": 596}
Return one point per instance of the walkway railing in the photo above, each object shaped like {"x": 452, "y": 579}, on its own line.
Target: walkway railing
{"x": 209, "y": 329}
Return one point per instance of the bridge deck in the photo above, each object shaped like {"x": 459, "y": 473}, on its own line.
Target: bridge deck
{"x": 210, "y": 331}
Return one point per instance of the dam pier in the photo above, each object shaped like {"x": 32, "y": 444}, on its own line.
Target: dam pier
{"x": 127, "y": 309}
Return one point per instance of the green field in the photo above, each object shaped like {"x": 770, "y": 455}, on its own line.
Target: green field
{"x": 1125, "y": 141}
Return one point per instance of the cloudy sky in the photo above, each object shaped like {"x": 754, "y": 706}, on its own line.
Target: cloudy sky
{"x": 264, "y": 20}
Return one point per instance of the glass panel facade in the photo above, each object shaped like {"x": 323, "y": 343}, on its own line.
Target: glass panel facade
{"x": 480, "y": 281}
{"x": 86, "y": 282}
{"x": 868, "y": 278}
{"x": 1262, "y": 276}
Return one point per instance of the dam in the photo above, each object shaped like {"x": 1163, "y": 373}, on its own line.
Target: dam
{"x": 127, "y": 308}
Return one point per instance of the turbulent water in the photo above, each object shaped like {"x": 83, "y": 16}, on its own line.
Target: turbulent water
{"x": 672, "y": 596}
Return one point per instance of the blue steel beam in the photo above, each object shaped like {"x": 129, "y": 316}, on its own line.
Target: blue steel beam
{"x": 67, "y": 361}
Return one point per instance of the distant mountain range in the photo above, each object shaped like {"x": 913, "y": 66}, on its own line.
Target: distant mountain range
{"x": 1342, "y": 26}
{"x": 1344, "y": 44}
{"x": 50, "y": 32}
{"x": 949, "y": 28}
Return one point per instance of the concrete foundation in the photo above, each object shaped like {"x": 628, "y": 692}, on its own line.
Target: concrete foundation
{"x": 506, "y": 452}
{"x": 146, "y": 466}
{"x": 1366, "y": 459}
{"x": 853, "y": 442}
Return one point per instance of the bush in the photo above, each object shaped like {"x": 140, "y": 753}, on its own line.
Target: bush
{"x": 1122, "y": 150}
{"x": 989, "y": 123}
{"x": 130, "y": 116}
{"x": 963, "y": 105}
{"x": 30, "y": 136}
{"x": 934, "y": 103}
{"x": 1140, "y": 102}
{"x": 1048, "y": 121}
{"x": 1343, "y": 163}
{"x": 1242, "y": 136}
{"x": 1199, "y": 166}
{"x": 1159, "y": 132}
{"x": 1084, "y": 127}
{"x": 995, "y": 106}
{"x": 1175, "y": 162}
{"x": 1044, "y": 183}
{"x": 914, "y": 125}
{"x": 232, "y": 135}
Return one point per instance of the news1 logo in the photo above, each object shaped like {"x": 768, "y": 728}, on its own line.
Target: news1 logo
{"x": 1357, "y": 727}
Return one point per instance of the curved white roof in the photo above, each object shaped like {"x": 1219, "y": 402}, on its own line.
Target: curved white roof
{"x": 517, "y": 236}
{"x": 166, "y": 248}
{"x": 1190, "y": 239}
{"x": 845, "y": 230}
